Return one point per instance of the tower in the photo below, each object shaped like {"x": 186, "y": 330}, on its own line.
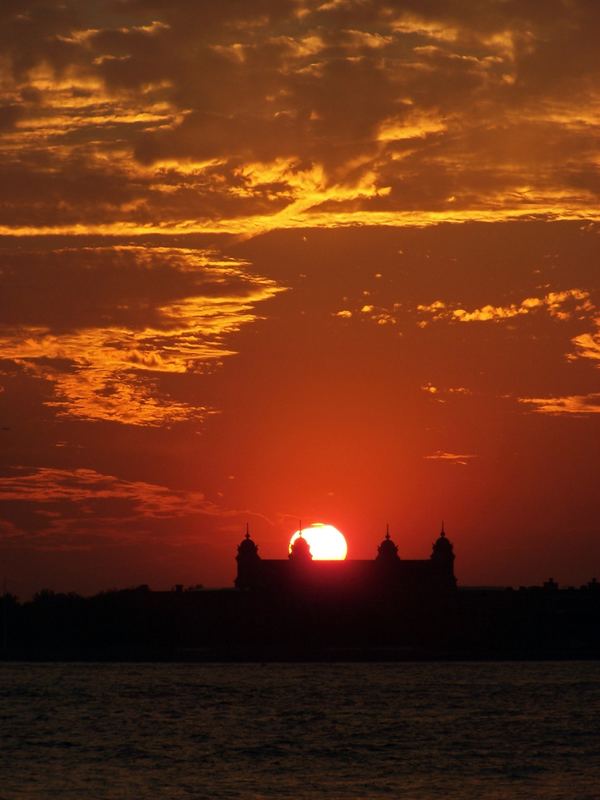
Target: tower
{"x": 300, "y": 552}
{"x": 387, "y": 552}
{"x": 248, "y": 563}
{"x": 442, "y": 556}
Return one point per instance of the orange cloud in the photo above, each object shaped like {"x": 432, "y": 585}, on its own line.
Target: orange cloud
{"x": 461, "y": 459}
{"x": 71, "y": 509}
{"x": 51, "y": 485}
{"x": 381, "y": 116}
{"x": 562, "y": 305}
{"x": 579, "y": 404}
{"x": 439, "y": 393}
{"x": 588, "y": 345}
{"x": 108, "y": 364}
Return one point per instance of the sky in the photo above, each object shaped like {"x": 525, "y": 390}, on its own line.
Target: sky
{"x": 271, "y": 260}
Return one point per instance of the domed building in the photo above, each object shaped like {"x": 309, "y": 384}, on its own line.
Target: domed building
{"x": 386, "y": 574}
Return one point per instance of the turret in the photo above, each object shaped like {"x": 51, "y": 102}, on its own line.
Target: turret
{"x": 247, "y": 560}
{"x": 300, "y": 550}
{"x": 442, "y": 555}
{"x": 387, "y": 552}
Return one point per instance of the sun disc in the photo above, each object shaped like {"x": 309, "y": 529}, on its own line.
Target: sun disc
{"x": 326, "y": 542}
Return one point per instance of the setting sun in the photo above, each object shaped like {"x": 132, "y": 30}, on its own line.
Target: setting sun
{"x": 326, "y": 542}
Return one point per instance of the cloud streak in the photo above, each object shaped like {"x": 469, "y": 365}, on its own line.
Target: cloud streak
{"x": 579, "y": 404}
{"x": 143, "y": 315}
{"x": 54, "y": 508}
{"x": 561, "y": 305}
{"x": 460, "y": 459}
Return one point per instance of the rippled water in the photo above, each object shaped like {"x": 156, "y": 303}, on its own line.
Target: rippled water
{"x": 413, "y": 731}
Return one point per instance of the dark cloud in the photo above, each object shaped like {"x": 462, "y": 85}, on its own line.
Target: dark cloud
{"x": 9, "y": 115}
{"x": 104, "y": 325}
{"x": 70, "y": 192}
{"x": 72, "y": 289}
{"x": 37, "y": 31}
{"x": 473, "y": 102}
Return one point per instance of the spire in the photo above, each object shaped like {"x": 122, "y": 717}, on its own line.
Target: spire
{"x": 247, "y": 531}
{"x": 387, "y": 551}
{"x": 443, "y": 532}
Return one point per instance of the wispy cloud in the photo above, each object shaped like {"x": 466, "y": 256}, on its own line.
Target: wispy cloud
{"x": 578, "y": 404}
{"x": 53, "y": 507}
{"x": 587, "y": 345}
{"x": 143, "y": 314}
{"x": 49, "y": 485}
{"x": 461, "y": 459}
{"x": 562, "y": 305}
{"x": 440, "y": 394}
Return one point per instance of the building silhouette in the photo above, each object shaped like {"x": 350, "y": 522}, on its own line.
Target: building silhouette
{"x": 298, "y": 608}
{"x": 387, "y": 574}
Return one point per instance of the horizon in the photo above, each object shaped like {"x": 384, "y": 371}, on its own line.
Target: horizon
{"x": 348, "y": 557}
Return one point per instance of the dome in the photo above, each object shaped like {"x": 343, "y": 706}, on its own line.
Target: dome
{"x": 442, "y": 547}
{"x": 247, "y": 546}
{"x": 301, "y": 549}
{"x": 443, "y": 543}
{"x": 387, "y": 550}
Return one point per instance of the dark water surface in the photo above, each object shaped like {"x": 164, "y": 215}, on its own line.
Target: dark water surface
{"x": 138, "y": 731}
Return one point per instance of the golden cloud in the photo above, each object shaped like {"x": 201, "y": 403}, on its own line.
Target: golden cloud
{"x": 284, "y": 114}
{"x": 439, "y": 393}
{"x": 578, "y": 404}
{"x": 111, "y": 371}
{"x": 562, "y": 305}
{"x": 588, "y": 345}
{"x": 461, "y": 459}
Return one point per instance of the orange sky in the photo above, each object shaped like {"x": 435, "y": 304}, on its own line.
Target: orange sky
{"x": 271, "y": 259}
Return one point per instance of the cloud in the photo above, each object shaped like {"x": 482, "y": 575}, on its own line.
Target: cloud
{"x": 461, "y": 459}
{"x": 105, "y": 326}
{"x": 435, "y": 111}
{"x": 440, "y": 394}
{"x": 52, "y": 485}
{"x": 48, "y": 504}
{"x": 579, "y": 404}
{"x": 587, "y": 345}
{"x": 562, "y": 305}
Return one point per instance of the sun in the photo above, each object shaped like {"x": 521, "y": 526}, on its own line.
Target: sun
{"x": 326, "y": 542}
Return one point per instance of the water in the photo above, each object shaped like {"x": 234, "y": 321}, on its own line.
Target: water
{"x": 415, "y": 731}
